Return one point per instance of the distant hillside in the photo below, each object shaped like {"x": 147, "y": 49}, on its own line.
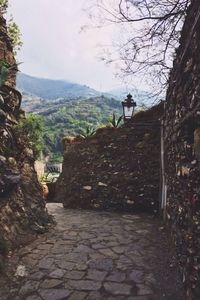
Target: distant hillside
{"x": 69, "y": 116}
{"x": 72, "y": 116}
{"x": 68, "y": 108}
{"x": 53, "y": 89}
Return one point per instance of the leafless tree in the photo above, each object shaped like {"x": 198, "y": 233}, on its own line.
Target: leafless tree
{"x": 150, "y": 31}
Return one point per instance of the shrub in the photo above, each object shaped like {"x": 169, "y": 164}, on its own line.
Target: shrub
{"x": 31, "y": 128}
{"x": 88, "y": 131}
{"x": 114, "y": 121}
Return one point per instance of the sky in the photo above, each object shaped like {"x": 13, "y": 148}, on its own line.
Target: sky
{"x": 55, "y": 47}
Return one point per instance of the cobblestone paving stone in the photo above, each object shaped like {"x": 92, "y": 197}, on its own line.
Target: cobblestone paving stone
{"x": 94, "y": 256}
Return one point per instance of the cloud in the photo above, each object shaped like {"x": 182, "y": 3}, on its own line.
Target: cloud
{"x": 54, "y": 47}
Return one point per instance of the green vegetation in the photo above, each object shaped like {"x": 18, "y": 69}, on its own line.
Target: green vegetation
{"x": 74, "y": 117}
{"x": 88, "y": 131}
{"x": 66, "y": 109}
{"x": 31, "y": 128}
{"x": 114, "y": 121}
{"x": 5, "y": 69}
{"x": 53, "y": 89}
{"x": 78, "y": 116}
{"x": 14, "y": 35}
{"x": 49, "y": 177}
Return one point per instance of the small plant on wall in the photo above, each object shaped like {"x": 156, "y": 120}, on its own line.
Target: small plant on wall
{"x": 115, "y": 121}
{"x": 88, "y": 131}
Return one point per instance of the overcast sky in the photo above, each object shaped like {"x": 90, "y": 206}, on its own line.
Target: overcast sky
{"x": 55, "y": 47}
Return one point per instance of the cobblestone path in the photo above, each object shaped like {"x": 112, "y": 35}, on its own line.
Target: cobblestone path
{"x": 92, "y": 256}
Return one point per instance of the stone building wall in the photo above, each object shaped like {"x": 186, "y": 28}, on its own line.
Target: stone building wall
{"x": 182, "y": 152}
{"x": 22, "y": 207}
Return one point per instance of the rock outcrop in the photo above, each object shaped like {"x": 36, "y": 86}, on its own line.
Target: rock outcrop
{"x": 182, "y": 152}
{"x": 117, "y": 168}
{"x": 22, "y": 207}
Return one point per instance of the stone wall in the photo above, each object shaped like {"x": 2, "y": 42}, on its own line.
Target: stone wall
{"x": 6, "y": 51}
{"x": 182, "y": 152}
{"x": 117, "y": 169}
{"x": 22, "y": 207}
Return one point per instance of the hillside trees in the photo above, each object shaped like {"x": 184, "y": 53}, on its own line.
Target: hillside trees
{"x": 149, "y": 34}
{"x": 30, "y": 129}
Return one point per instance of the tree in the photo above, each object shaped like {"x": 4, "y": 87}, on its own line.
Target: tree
{"x": 31, "y": 129}
{"x": 150, "y": 30}
{"x": 14, "y": 35}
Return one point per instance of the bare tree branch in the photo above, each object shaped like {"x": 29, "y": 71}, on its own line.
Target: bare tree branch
{"x": 151, "y": 33}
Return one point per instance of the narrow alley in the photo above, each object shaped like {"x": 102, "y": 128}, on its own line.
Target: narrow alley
{"x": 95, "y": 255}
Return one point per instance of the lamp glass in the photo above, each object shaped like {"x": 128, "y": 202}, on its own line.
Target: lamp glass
{"x": 128, "y": 112}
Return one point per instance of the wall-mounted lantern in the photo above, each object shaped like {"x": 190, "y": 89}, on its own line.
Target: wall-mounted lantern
{"x": 128, "y": 107}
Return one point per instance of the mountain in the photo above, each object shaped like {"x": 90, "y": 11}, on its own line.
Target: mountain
{"x": 68, "y": 108}
{"x": 52, "y": 89}
{"x": 55, "y": 89}
{"x": 64, "y": 109}
{"x": 71, "y": 117}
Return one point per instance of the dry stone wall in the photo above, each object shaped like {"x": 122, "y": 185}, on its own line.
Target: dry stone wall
{"x": 117, "y": 169}
{"x": 22, "y": 207}
{"x": 6, "y": 51}
{"x": 182, "y": 152}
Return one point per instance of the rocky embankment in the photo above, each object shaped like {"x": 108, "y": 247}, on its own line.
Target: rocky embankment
{"x": 182, "y": 152}
{"x": 22, "y": 207}
{"x": 117, "y": 168}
